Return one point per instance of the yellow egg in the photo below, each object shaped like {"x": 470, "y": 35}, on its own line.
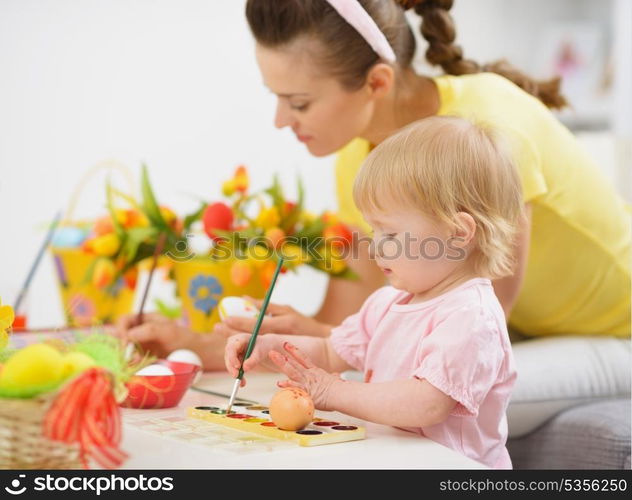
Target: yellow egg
{"x": 37, "y": 364}
{"x": 291, "y": 409}
{"x": 75, "y": 362}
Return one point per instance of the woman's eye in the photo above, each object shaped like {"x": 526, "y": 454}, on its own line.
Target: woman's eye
{"x": 299, "y": 107}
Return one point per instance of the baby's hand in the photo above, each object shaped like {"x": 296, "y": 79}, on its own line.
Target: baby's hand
{"x": 236, "y": 349}
{"x": 304, "y": 374}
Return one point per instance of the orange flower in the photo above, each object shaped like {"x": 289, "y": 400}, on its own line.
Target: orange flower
{"x": 267, "y": 273}
{"x": 103, "y": 274}
{"x": 241, "y": 179}
{"x": 338, "y": 235}
{"x": 275, "y": 236}
{"x": 131, "y": 278}
{"x": 240, "y": 273}
{"x": 103, "y": 225}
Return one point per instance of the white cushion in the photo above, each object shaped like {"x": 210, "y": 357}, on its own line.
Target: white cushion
{"x": 555, "y": 373}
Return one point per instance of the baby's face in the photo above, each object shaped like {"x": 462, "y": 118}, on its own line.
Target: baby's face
{"x": 415, "y": 251}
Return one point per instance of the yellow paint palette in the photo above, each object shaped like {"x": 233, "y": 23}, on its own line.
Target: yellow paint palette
{"x": 256, "y": 420}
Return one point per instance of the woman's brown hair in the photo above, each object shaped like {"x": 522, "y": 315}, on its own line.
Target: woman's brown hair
{"x": 348, "y": 57}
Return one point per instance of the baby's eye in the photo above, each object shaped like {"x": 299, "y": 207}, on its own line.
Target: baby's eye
{"x": 390, "y": 236}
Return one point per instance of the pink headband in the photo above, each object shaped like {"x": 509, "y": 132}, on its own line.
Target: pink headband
{"x": 352, "y": 12}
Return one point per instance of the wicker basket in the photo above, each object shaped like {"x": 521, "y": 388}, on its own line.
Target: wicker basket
{"x": 22, "y": 443}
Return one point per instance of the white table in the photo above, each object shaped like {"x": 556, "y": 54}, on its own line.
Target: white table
{"x": 384, "y": 448}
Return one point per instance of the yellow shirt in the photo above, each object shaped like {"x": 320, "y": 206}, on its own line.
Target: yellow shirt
{"x": 577, "y": 279}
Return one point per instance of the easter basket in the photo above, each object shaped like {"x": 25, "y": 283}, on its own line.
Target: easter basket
{"x": 22, "y": 442}
{"x": 59, "y": 404}
{"x": 85, "y": 302}
{"x": 68, "y": 428}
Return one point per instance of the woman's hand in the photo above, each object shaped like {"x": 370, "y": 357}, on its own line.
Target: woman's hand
{"x": 235, "y": 350}
{"x": 303, "y": 373}
{"x": 279, "y": 319}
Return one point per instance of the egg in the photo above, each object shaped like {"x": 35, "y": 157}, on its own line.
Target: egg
{"x": 35, "y": 365}
{"x": 68, "y": 237}
{"x": 291, "y": 409}
{"x": 76, "y": 362}
{"x": 155, "y": 371}
{"x": 187, "y": 356}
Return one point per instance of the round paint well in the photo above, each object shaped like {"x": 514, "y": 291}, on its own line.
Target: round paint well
{"x": 309, "y": 432}
{"x": 209, "y": 408}
{"x": 259, "y": 408}
{"x": 241, "y": 404}
{"x": 219, "y": 411}
{"x": 255, "y": 420}
{"x": 344, "y": 427}
{"x": 238, "y": 415}
{"x": 269, "y": 424}
{"x": 326, "y": 424}
{"x": 267, "y": 412}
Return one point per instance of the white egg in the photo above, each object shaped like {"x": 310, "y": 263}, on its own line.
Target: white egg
{"x": 155, "y": 370}
{"x": 187, "y": 356}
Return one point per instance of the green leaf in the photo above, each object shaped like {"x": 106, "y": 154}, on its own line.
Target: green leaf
{"x": 135, "y": 237}
{"x": 109, "y": 193}
{"x": 150, "y": 205}
{"x": 301, "y": 194}
{"x": 194, "y": 217}
{"x": 314, "y": 230}
{"x": 276, "y": 192}
{"x": 172, "y": 312}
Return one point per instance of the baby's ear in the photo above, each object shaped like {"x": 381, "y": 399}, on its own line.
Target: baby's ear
{"x": 464, "y": 230}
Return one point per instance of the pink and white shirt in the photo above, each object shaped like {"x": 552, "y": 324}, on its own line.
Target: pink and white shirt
{"x": 458, "y": 342}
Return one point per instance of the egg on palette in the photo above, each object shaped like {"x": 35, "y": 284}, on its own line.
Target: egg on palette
{"x": 155, "y": 371}
{"x": 291, "y": 409}
{"x": 187, "y": 356}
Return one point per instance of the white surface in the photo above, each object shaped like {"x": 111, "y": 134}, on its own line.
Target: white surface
{"x": 384, "y": 448}
{"x": 560, "y": 372}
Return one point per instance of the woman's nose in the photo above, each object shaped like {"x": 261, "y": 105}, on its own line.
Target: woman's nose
{"x": 283, "y": 117}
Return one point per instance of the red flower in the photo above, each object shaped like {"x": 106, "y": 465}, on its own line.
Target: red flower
{"x": 217, "y": 216}
{"x": 338, "y": 235}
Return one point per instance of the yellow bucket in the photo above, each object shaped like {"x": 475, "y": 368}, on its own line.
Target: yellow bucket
{"x": 84, "y": 304}
{"x": 202, "y": 283}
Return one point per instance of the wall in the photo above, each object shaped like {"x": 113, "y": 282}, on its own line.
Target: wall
{"x": 172, "y": 84}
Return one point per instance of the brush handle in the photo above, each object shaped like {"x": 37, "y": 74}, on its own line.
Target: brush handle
{"x": 262, "y": 312}
{"x": 35, "y": 265}
{"x": 162, "y": 239}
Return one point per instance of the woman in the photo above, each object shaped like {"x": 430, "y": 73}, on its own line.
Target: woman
{"x": 342, "y": 72}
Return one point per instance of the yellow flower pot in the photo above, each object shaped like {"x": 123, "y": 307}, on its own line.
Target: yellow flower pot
{"x": 203, "y": 282}
{"x": 84, "y": 304}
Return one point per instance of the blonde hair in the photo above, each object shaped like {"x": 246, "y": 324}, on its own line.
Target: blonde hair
{"x": 444, "y": 165}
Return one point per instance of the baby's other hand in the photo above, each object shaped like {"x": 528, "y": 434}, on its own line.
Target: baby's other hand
{"x": 304, "y": 374}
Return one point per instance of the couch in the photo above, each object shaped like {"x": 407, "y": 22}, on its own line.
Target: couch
{"x": 570, "y": 408}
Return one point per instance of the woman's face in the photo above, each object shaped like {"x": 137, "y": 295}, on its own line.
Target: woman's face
{"x": 321, "y": 113}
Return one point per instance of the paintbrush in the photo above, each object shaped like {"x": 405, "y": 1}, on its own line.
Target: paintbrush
{"x": 253, "y": 337}
{"x": 159, "y": 247}
{"x": 35, "y": 265}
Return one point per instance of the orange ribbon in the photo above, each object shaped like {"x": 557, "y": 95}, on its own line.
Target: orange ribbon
{"x": 86, "y": 413}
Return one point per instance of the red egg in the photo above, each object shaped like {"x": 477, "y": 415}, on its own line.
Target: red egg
{"x": 217, "y": 216}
